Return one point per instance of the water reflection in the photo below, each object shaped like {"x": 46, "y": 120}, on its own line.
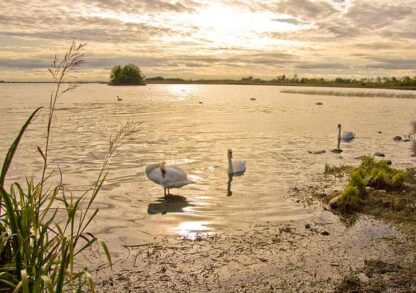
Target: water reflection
{"x": 193, "y": 230}
{"x": 168, "y": 204}
{"x": 230, "y": 179}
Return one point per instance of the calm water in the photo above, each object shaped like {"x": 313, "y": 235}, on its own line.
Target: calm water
{"x": 273, "y": 134}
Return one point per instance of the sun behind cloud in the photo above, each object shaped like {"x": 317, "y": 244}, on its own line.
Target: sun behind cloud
{"x": 213, "y": 39}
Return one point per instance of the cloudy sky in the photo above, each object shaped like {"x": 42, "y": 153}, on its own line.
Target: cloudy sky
{"x": 212, "y": 39}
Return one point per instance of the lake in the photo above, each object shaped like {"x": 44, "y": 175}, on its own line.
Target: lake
{"x": 272, "y": 133}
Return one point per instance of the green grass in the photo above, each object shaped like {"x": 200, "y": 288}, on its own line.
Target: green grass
{"x": 38, "y": 250}
{"x": 370, "y": 173}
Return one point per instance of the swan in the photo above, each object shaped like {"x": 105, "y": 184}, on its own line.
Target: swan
{"x": 346, "y": 135}
{"x": 338, "y": 149}
{"x": 168, "y": 176}
{"x": 236, "y": 167}
{"x": 119, "y": 99}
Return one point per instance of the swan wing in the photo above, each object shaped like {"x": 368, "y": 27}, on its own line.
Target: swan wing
{"x": 174, "y": 173}
{"x": 347, "y": 135}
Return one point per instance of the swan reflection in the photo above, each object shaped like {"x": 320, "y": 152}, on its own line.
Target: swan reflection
{"x": 230, "y": 179}
{"x": 168, "y": 204}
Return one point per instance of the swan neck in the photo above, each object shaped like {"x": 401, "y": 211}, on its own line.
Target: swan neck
{"x": 339, "y": 137}
{"x": 230, "y": 165}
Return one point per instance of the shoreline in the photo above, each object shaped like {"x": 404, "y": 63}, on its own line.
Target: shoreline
{"x": 317, "y": 255}
{"x": 321, "y": 253}
{"x": 213, "y": 82}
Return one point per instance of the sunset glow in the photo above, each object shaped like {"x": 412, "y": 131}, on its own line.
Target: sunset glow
{"x": 212, "y": 39}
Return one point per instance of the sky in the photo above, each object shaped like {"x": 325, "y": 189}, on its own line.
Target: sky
{"x": 211, "y": 39}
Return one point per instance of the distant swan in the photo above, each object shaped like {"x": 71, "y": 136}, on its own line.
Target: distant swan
{"x": 346, "y": 135}
{"x": 119, "y": 99}
{"x": 168, "y": 176}
{"x": 236, "y": 167}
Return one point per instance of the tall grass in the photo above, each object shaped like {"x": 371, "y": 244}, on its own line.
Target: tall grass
{"x": 43, "y": 227}
{"x": 369, "y": 94}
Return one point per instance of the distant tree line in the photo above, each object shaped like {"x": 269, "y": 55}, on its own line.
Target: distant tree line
{"x": 405, "y": 81}
{"x": 129, "y": 74}
{"x": 377, "y": 82}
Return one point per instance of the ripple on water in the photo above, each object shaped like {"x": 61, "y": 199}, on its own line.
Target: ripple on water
{"x": 272, "y": 134}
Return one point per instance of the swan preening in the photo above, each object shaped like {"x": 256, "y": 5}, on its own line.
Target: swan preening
{"x": 168, "y": 176}
{"x": 235, "y": 167}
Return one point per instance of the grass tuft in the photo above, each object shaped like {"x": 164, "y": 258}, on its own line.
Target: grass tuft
{"x": 370, "y": 173}
{"x": 38, "y": 250}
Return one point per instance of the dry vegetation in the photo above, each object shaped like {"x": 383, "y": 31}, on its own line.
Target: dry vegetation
{"x": 367, "y": 94}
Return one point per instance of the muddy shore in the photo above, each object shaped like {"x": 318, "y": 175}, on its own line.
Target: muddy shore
{"x": 324, "y": 253}
{"x": 321, "y": 255}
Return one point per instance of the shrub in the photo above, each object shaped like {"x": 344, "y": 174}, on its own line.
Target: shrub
{"x": 129, "y": 74}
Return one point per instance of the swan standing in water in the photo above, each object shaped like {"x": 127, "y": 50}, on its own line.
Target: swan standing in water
{"x": 236, "y": 167}
{"x": 168, "y": 176}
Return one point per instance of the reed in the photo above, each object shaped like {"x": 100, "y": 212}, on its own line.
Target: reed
{"x": 37, "y": 248}
{"x": 372, "y": 94}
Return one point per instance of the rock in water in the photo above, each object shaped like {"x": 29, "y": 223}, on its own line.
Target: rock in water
{"x": 317, "y": 152}
{"x": 379, "y": 154}
{"x": 397, "y": 138}
{"x": 334, "y": 203}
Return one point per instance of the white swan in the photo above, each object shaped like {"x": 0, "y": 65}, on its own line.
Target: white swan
{"x": 346, "y": 135}
{"x": 119, "y": 99}
{"x": 168, "y": 176}
{"x": 235, "y": 167}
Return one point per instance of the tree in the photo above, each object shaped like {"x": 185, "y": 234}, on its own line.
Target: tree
{"x": 129, "y": 74}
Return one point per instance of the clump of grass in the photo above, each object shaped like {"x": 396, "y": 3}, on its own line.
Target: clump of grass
{"x": 371, "y": 173}
{"x": 37, "y": 250}
{"x": 337, "y": 170}
{"x": 350, "y": 198}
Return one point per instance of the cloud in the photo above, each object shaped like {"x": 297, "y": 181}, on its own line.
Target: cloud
{"x": 178, "y": 37}
{"x": 325, "y": 65}
{"x": 393, "y": 63}
{"x": 288, "y": 20}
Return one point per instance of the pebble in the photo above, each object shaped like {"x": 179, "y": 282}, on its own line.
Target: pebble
{"x": 319, "y": 104}
{"x": 363, "y": 278}
{"x": 379, "y": 154}
{"x": 307, "y": 226}
{"x": 325, "y": 233}
{"x": 397, "y": 138}
{"x": 252, "y": 99}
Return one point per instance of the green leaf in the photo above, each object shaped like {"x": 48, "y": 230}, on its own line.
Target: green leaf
{"x": 13, "y": 147}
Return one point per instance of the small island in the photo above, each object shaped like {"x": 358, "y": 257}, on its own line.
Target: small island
{"x": 129, "y": 74}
